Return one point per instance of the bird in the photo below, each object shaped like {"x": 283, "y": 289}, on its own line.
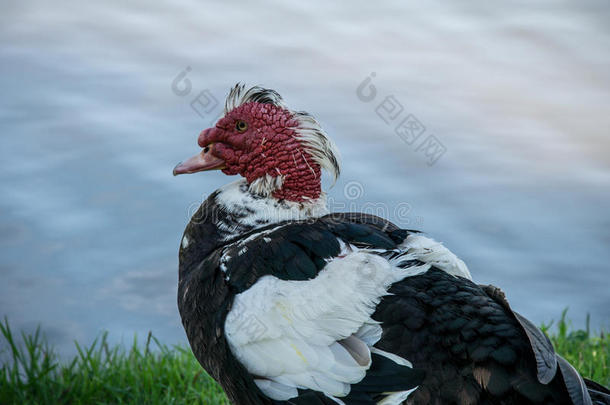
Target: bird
{"x": 284, "y": 302}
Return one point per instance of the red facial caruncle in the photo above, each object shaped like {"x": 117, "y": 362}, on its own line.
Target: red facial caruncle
{"x": 257, "y": 140}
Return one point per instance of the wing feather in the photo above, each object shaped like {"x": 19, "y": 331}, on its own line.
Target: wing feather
{"x": 310, "y": 328}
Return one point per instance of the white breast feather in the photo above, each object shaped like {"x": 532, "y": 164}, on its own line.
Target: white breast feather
{"x": 318, "y": 334}
{"x": 292, "y": 334}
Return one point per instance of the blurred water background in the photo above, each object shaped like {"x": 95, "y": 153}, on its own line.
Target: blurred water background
{"x": 518, "y": 95}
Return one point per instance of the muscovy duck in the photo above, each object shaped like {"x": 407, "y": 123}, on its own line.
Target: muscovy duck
{"x": 285, "y": 303}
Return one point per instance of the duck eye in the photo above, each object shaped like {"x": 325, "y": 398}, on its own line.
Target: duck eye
{"x": 241, "y": 126}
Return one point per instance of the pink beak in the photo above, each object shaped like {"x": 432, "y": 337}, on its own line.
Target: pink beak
{"x": 200, "y": 162}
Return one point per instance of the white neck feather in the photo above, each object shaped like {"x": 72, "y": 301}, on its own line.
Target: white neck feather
{"x": 261, "y": 208}
{"x": 266, "y": 185}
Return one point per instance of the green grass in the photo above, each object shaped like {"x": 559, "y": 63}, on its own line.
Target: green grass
{"x": 589, "y": 353}
{"x": 100, "y": 374}
{"x": 158, "y": 374}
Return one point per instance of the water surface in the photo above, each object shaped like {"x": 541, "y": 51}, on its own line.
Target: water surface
{"x": 91, "y": 218}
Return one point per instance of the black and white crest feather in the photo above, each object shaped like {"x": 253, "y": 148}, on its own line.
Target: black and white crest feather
{"x": 240, "y": 94}
{"x": 309, "y": 131}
